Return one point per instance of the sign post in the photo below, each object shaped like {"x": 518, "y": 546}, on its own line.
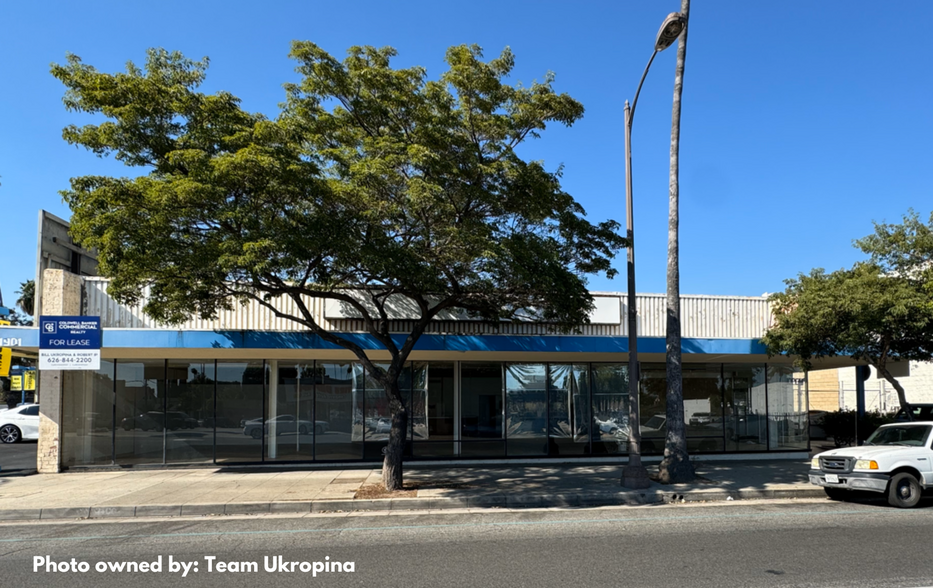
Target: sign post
{"x": 69, "y": 343}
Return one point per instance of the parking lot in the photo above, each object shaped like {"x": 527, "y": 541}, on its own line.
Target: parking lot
{"x": 18, "y": 458}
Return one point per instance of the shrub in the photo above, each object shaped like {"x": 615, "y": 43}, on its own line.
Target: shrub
{"x": 844, "y": 426}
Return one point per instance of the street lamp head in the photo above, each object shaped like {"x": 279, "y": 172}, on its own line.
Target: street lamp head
{"x": 673, "y": 25}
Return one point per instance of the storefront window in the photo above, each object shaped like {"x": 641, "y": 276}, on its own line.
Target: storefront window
{"x": 481, "y": 409}
{"x": 418, "y": 404}
{"x": 746, "y": 421}
{"x": 87, "y": 416}
{"x": 787, "y": 409}
{"x": 188, "y": 420}
{"x": 526, "y": 408}
{"x": 337, "y": 405}
{"x": 378, "y": 412}
{"x": 291, "y": 425}
{"x": 569, "y": 420}
{"x": 703, "y": 407}
{"x": 140, "y": 404}
{"x": 436, "y": 438}
{"x": 610, "y": 427}
{"x": 240, "y": 386}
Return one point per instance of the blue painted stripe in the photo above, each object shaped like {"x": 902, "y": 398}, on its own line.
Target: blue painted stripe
{"x": 180, "y": 339}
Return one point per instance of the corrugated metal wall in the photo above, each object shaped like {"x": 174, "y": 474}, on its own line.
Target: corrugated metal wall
{"x": 703, "y": 317}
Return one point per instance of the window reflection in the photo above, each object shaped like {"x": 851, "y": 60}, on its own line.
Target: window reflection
{"x": 140, "y": 403}
{"x": 610, "y": 426}
{"x": 87, "y": 416}
{"x": 526, "y": 408}
{"x": 337, "y": 403}
{"x": 703, "y": 407}
{"x": 481, "y": 409}
{"x": 746, "y": 423}
{"x": 569, "y": 409}
{"x": 787, "y": 409}
{"x": 291, "y": 426}
{"x": 188, "y": 420}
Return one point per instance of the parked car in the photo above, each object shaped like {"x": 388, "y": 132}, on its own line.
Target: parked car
{"x": 919, "y": 412}
{"x": 609, "y": 426}
{"x": 383, "y": 426}
{"x": 154, "y": 420}
{"x": 19, "y": 423}
{"x": 284, "y": 423}
{"x": 895, "y": 460}
{"x": 701, "y": 418}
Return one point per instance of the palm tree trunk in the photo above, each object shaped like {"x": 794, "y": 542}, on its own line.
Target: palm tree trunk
{"x": 676, "y": 466}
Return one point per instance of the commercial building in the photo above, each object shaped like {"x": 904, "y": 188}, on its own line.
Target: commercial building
{"x": 250, "y": 388}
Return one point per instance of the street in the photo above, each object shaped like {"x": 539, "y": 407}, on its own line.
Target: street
{"x": 761, "y": 543}
{"x": 18, "y": 458}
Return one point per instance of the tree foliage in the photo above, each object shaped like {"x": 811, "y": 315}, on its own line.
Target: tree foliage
{"x": 878, "y": 311}
{"x": 27, "y": 296}
{"x": 372, "y": 183}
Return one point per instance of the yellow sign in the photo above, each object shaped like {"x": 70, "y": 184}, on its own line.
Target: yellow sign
{"x": 29, "y": 380}
{"x": 6, "y": 357}
{"x": 16, "y": 383}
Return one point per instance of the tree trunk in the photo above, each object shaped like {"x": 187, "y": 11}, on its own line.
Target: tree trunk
{"x": 676, "y": 466}
{"x": 901, "y": 394}
{"x": 392, "y": 463}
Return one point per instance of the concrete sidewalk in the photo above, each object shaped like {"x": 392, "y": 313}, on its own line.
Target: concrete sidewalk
{"x": 215, "y": 491}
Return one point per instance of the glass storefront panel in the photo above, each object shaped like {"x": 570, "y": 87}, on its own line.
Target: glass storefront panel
{"x": 746, "y": 420}
{"x": 240, "y": 392}
{"x": 87, "y": 416}
{"x": 703, "y": 406}
{"x": 378, "y": 412}
{"x": 787, "y": 410}
{"x": 652, "y": 398}
{"x": 291, "y": 426}
{"x": 334, "y": 412}
{"x": 481, "y": 409}
{"x": 419, "y": 401}
{"x": 569, "y": 418}
{"x": 435, "y": 438}
{"x": 526, "y": 408}
{"x": 188, "y": 420}
{"x": 337, "y": 404}
{"x": 140, "y": 404}
{"x": 610, "y": 427}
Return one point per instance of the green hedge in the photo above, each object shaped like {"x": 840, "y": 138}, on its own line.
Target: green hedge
{"x": 844, "y": 426}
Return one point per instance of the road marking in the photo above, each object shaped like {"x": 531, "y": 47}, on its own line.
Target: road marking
{"x": 886, "y": 513}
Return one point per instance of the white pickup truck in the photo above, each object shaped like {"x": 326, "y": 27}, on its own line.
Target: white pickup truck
{"x": 896, "y": 460}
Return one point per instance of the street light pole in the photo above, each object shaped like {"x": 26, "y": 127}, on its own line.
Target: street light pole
{"x": 634, "y": 474}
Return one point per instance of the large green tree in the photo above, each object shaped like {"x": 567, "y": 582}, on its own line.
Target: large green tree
{"x": 878, "y": 311}
{"x": 373, "y": 185}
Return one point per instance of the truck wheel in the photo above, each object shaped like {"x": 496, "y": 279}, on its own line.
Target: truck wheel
{"x": 835, "y": 493}
{"x": 903, "y": 491}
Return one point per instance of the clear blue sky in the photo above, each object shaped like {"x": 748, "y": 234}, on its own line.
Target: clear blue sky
{"x": 802, "y": 123}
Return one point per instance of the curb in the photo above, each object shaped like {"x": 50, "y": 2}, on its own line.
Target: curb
{"x": 498, "y": 500}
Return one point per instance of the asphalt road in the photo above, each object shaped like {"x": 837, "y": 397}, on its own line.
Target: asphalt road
{"x": 800, "y": 543}
{"x": 18, "y": 458}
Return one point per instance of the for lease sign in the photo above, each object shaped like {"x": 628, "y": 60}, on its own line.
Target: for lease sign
{"x": 69, "y": 343}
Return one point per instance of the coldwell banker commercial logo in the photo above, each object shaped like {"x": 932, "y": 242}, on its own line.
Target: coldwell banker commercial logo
{"x": 69, "y": 343}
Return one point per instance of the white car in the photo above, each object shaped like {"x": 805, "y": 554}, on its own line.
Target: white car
{"x": 896, "y": 460}
{"x": 19, "y": 423}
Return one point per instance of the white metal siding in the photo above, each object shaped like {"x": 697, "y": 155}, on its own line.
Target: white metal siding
{"x": 703, "y": 317}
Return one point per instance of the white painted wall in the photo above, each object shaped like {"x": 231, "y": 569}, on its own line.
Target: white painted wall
{"x": 880, "y": 395}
